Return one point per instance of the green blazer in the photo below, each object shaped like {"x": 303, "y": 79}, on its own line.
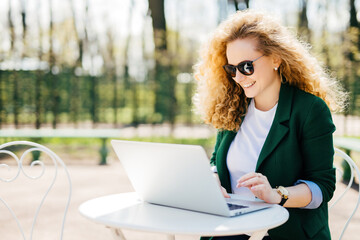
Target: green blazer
{"x": 299, "y": 146}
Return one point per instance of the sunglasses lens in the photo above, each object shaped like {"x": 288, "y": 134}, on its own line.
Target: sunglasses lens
{"x": 231, "y": 70}
{"x": 246, "y": 68}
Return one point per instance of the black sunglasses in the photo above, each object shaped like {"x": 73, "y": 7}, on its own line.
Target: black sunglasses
{"x": 245, "y": 67}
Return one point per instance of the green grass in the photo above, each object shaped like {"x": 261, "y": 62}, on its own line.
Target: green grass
{"x": 76, "y": 150}
{"x": 91, "y": 141}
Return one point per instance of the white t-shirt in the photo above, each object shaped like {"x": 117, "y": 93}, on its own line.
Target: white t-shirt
{"x": 245, "y": 149}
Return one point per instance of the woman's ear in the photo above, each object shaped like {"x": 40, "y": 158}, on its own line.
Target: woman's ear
{"x": 276, "y": 61}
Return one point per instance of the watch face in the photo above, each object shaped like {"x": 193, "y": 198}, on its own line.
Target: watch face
{"x": 283, "y": 191}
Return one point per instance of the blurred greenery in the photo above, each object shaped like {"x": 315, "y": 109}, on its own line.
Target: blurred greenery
{"x": 205, "y": 142}
{"x": 77, "y": 67}
{"x": 87, "y": 149}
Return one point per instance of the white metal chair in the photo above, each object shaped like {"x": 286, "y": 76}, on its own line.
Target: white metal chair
{"x": 30, "y": 149}
{"x": 354, "y": 170}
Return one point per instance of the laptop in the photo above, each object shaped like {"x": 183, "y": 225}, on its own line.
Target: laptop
{"x": 179, "y": 176}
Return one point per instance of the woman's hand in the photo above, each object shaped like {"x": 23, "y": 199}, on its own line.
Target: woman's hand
{"x": 260, "y": 187}
{"x": 223, "y": 190}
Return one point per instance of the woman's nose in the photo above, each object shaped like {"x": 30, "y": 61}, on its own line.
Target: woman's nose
{"x": 239, "y": 77}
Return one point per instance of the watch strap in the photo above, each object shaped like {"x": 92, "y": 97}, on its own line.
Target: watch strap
{"x": 283, "y": 193}
{"x": 283, "y": 201}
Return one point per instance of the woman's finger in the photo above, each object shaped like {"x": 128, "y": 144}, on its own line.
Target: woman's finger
{"x": 224, "y": 192}
{"x": 248, "y": 176}
{"x": 258, "y": 188}
{"x": 257, "y": 179}
{"x": 249, "y": 183}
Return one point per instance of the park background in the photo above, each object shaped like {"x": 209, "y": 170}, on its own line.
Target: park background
{"x": 128, "y": 65}
{"x": 92, "y": 63}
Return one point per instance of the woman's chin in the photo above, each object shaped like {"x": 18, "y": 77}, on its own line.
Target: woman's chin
{"x": 249, "y": 94}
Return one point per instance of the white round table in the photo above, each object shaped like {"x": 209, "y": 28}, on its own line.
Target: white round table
{"x": 127, "y": 211}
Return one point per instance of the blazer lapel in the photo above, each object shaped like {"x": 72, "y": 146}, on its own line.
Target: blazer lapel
{"x": 279, "y": 127}
{"x": 221, "y": 164}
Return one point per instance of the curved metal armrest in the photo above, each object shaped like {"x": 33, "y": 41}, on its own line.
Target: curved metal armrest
{"x": 353, "y": 170}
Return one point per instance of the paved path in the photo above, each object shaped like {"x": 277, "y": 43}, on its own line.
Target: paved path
{"x": 90, "y": 181}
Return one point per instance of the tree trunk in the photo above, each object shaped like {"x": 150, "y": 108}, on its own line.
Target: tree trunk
{"x": 126, "y": 76}
{"x": 24, "y": 26}
{"x": 159, "y": 29}
{"x": 353, "y": 19}
{"x": 164, "y": 80}
{"x": 39, "y": 77}
{"x": 159, "y": 23}
{"x": 115, "y": 99}
{"x": 94, "y": 97}
{"x": 16, "y": 98}
{"x": 11, "y": 29}
{"x": 352, "y": 36}
{"x": 52, "y": 64}
{"x": 13, "y": 76}
{"x": 75, "y": 103}
{"x": 38, "y": 99}
{"x": 303, "y": 23}
{"x": 354, "y": 23}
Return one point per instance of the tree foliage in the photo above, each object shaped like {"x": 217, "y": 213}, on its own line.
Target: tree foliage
{"x": 81, "y": 76}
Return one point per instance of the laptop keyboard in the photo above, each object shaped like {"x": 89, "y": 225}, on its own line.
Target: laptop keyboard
{"x": 236, "y": 206}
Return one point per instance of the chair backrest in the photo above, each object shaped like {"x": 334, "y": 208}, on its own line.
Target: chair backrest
{"x": 33, "y": 149}
{"x": 354, "y": 171}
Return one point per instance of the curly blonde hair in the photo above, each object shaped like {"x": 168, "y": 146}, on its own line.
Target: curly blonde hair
{"x": 222, "y": 102}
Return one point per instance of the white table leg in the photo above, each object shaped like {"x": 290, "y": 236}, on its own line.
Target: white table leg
{"x": 170, "y": 237}
{"x": 258, "y": 235}
{"x": 117, "y": 234}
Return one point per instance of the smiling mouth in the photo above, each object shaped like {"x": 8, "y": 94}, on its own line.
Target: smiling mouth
{"x": 248, "y": 85}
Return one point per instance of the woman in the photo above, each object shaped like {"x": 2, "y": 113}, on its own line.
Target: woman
{"x": 270, "y": 99}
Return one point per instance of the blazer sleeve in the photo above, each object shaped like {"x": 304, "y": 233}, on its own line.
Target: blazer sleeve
{"x": 317, "y": 148}
{"x": 219, "y": 136}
